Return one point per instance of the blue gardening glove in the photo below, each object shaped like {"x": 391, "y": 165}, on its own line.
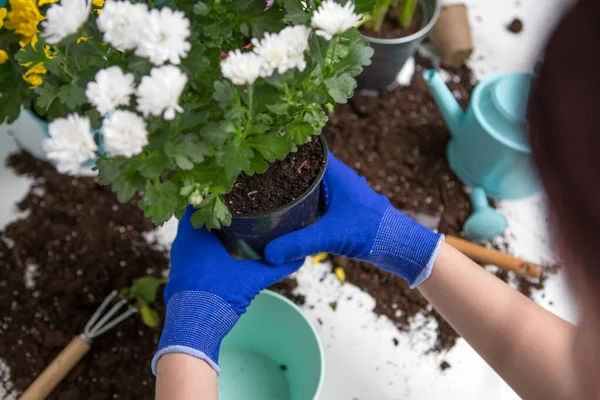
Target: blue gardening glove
{"x": 207, "y": 292}
{"x": 360, "y": 223}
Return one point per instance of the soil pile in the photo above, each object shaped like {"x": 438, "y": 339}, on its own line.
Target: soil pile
{"x": 76, "y": 244}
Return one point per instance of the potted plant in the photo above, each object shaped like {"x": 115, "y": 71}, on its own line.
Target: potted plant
{"x": 395, "y": 29}
{"x": 37, "y": 79}
{"x": 218, "y": 105}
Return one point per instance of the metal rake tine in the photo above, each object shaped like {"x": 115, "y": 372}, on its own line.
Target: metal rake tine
{"x": 130, "y": 311}
{"x": 107, "y": 316}
{"x": 99, "y": 311}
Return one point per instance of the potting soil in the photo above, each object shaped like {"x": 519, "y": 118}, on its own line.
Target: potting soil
{"x": 391, "y": 29}
{"x": 75, "y": 244}
{"x": 284, "y": 181}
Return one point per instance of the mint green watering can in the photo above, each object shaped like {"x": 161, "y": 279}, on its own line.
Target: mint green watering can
{"x": 489, "y": 150}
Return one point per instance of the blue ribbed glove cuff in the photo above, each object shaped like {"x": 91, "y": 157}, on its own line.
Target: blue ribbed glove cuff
{"x": 404, "y": 247}
{"x": 196, "y": 323}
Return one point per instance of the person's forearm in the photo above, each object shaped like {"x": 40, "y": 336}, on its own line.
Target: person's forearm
{"x": 529, "y": 347}
{"x": 183, "y": 377}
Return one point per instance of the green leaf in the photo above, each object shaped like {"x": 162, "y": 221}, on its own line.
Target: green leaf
{"x": 272, "y": 147}
{"x": 196, "y": 61}
{"x": 160, "y": 201}
{"x": 212, "y": 215}
{"x": 186, "y": 151}
{"x": 140, "y": 66}
{"x": 258, "y": 165}
{"x": 318, "y": 49}
{"x": 315, "y": 95}
{"x": 108, "y": 169}
{"x": 46, "y": 96}
{"x": 54, "y": 64}
{"x": 359, "y": 56}
{"x": 200, "y": 8}
{"x": 235, "y": 158}
{"x": 191, "y": 120}
{"x": 223, "y": 93}
{"x": 72, "y": 95}
{"x": 364, "y": 6}
{"x": 341, "y": 88}
{"x": 149, "y": 316}
{"x": 266, "y": 21}
{"x": 125, "y": 181}
{"x": 316, "y": 118}
{"x": 222, "y": 212}
{"x": 154, "y": 165}
{"x": 216, "y": 33}
{"x": 29, "y": 54}
{"x": 300, "y": 132}
{"x": 295, "y": 13}
{"x": 278, "y": 108}
{"x": 146, "y": 288}
{"x": 204, "y": 216}
{"x": 216, "y": 133}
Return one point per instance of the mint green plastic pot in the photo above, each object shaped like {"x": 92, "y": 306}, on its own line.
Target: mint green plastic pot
{"x": 273, "y": 353}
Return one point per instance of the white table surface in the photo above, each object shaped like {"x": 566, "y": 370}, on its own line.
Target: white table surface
{"x": 362, "y": 362}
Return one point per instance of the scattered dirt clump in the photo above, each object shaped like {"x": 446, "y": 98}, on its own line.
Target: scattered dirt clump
{"x": 516, "y": 26}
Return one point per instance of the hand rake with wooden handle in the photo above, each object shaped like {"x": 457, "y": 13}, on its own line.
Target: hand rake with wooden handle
{"x": 64, "y": 362}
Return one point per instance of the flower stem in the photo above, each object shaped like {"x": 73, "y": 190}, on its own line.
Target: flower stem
{"x": 250, "y": 106}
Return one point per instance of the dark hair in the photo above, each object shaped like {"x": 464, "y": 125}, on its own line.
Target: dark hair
{"x": 564, "y": 117}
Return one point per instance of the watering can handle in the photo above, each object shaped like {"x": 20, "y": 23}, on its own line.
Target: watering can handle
{"x": 56, "y": 370}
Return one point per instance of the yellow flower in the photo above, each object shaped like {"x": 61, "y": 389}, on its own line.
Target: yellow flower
{"x": 340, "y": 274}
{"x": 47, "y": 50}
{"x": 23, "y": 18}
{"x": 3, "y": 12}
{"x": 34, "y": 76}
{"x": 98, "y": 3}
{"x": 3, "y": 57}
{"x": 82, "y": 39}
{"x": 319, "y": 258}
{"x": 44, "y": 2}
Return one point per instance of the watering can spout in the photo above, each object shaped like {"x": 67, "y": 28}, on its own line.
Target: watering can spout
{"x": 449, "y": 107}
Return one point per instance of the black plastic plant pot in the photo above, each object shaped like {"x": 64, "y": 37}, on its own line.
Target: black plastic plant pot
{"x": 248, "y": 234}
{"x": 391, "y": 54}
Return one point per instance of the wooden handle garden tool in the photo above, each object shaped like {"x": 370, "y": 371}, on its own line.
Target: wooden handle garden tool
{"x": 478, "y": 253}
{"x": 64, "y": 362}
{"x": 483, "y": 255}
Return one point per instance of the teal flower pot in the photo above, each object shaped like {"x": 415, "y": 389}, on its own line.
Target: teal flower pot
{"x": 273, "y": 353}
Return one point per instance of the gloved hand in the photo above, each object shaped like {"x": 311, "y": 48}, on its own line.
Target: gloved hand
{"x": 207, "y": 292}
{"x": 360, "y": 223}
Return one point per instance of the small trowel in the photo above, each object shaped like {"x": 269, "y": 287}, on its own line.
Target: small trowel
{"x": 478, "y": 253}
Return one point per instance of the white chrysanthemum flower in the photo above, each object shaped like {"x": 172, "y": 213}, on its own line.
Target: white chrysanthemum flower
{"x": 332, "y": 18}
{"x": 165, "y": 37}
{"x": 122, "y": 23}
{"x": 64, "y": 19}
{"x": 71, "y": 143}
{"x": 112, "y": 88}
{"x": 124, "y": 134}
{"x": 297, "y": 40}
{"x": 159, "y": 92}
{"x": 273, "y": 51}
{"x": 241, "y": 68}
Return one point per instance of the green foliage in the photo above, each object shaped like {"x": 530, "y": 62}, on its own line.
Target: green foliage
{"x": 223, "y": 129}
{"x": 143, "y": 293}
